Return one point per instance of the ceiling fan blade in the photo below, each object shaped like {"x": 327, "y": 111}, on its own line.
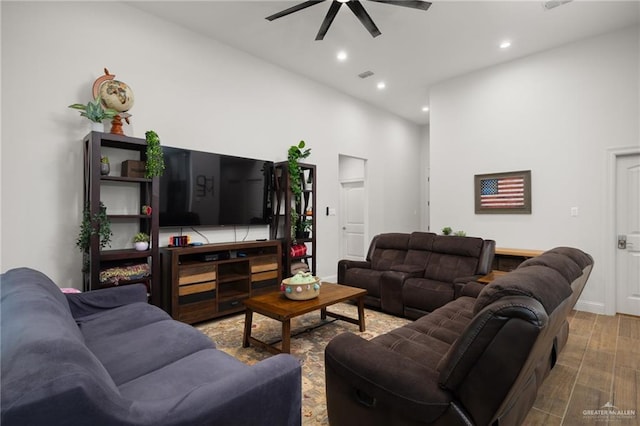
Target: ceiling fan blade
{"x": 295, "y": 8}
{"x": 414, "y": 4}
{"x": 358, "y": 10}
{"x": 331, "y": 14}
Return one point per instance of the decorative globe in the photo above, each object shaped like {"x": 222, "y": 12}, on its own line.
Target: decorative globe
{"x": 117, "y": 95}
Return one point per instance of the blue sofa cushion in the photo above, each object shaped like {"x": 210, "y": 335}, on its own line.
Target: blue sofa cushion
{"x": 161, "y": 342}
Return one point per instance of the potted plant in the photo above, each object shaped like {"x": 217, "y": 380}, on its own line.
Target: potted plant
{"x": 154, "y": 165}
{"x": 100, "y": 225}
{"x": 95, "y": 112}
{"x": 294, "y": 155}
{"x": 447, "y": 230}
{"x": 460, "y": 234}
{"x": 141, "y": 241}
{"x": 303, "y": 228}
{"x": 105, "y": 168}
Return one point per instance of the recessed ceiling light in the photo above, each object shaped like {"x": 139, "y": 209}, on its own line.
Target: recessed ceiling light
{"x": 505, "y": 44}
{"x": 381, "y": 85}
{"x": 425, "y": 109}
{"x": 342, "y": 56}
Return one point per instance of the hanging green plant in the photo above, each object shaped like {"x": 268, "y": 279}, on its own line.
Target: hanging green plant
{"x": 155, "y": 158}
{"x": 100, "y": 225}
{"x": 295, "y": 154}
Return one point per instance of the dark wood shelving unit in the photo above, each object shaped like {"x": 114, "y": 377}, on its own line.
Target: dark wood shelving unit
{"x": 93, "y": 145}
{"x": 284, "y": 205}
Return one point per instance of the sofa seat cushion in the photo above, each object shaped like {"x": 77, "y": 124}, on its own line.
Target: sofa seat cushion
{"x": 367, "y": 279}
{"x": 426, "y": 294}
{"x": 123, "y": 318}
{"x": 182, "y": 376}
{"x": 428, "y": 339}
{"x": 160, "y": 343}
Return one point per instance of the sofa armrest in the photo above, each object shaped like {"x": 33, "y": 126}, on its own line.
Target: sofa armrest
{"x": 391, "y": 284}
{"x": 91, "y": 302}
{"x": 345, "y": 264}
{"x": 269, "y": 392}
{"x": 367, "y": 374}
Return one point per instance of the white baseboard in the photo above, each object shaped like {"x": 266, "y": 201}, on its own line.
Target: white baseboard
{"x": 593, "y": 307}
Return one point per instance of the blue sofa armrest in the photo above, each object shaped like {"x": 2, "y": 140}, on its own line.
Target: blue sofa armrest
{"x": 267, "y": 393}
{"x": 91, "y": 302}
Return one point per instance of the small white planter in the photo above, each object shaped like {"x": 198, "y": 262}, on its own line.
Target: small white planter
{"x": 141, "y": 245}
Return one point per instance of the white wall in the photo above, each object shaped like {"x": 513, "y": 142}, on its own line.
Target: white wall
{"x": 195, "y": 93}
{"x": 555, "y": 113}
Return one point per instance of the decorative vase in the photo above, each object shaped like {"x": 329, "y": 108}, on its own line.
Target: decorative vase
{"x": 97, "y": 127}
{"x": 141, "y": 245}
{"x": 303, "y": 291}
{"x": 105, "y": 169}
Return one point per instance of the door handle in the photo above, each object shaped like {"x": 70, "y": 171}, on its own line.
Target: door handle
{"x": 622, "y": 242}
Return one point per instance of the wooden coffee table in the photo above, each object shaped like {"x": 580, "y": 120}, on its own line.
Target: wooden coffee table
{"x": 276, "y": 305}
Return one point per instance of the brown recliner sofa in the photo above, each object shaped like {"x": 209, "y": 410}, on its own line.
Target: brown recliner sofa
{"x": 478, "y": 360}
{"x": 413, "y": 274}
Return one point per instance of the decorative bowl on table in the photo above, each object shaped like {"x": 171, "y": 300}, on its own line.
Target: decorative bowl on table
{"x": 301, "y": 286}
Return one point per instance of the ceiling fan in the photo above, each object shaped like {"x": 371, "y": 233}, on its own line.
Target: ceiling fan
{"x": 357, "y": 9}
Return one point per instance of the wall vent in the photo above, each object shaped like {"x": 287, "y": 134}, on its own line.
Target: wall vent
{"x": 365, "y": 74}
{"x": 554, "y": 3}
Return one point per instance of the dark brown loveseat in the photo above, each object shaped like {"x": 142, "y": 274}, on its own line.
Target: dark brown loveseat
{"x": 413, "y": 274}
{"x": 475, "y": 361}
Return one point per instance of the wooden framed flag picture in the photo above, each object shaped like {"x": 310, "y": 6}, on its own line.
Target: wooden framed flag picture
{"x": 503, "y": 193}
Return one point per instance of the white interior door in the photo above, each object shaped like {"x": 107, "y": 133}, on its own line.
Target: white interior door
{"x": 628, "y": 234}
{"x": 352, "y": 221}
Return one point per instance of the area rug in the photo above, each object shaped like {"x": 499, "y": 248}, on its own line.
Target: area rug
{"x": 309, "y": 336}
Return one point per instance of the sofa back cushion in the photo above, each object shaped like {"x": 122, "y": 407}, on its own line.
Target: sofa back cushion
{"x": 453, "y": 257}
{"x": 390, "y": 249}
{"x": 542, "y": 283}
{"x": 420, "y": 246}
{"x": 43, "y": 351}
{"x": 559, "y": 262}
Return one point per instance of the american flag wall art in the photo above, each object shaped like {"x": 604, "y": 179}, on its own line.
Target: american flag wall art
{"x": 503, "y": 192}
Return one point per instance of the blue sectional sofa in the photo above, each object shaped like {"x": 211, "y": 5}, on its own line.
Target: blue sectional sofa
{"x": 107, "y": 357}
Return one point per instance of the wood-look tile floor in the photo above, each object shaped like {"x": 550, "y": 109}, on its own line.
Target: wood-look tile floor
{"x": 599, "y": 369}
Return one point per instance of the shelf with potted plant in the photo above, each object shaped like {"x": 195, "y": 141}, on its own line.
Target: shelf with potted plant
{"x": 100, "y": 256}
{"x": 294, "y": 201}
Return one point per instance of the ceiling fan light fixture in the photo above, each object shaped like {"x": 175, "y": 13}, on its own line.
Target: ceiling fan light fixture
{"x": 357, "y": 9}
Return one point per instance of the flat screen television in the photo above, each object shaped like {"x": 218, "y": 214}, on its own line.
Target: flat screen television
{"x": 207, "y": 189}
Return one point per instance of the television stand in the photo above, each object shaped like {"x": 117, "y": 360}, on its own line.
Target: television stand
{"x": 208, "y": 281}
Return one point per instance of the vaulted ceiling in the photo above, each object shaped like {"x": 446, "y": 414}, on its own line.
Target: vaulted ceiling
{"x": 416, "y": 49}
